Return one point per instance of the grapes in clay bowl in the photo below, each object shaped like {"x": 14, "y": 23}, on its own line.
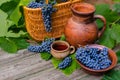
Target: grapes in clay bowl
{"x": 96, "y": 59}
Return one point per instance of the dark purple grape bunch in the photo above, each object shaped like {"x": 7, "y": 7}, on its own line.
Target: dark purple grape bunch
{"x": 93, "y": 58}
{"x": 47, "y": 10}
{"x": 45, "y": 46}
{"x": 37, "y": 4}
{"x": 65, "y": 63}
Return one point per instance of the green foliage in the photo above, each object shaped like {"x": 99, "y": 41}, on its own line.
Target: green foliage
{"x": 4, "y": 23}
{"x": 20, "y": 43}
{"x": 16, "y": 14}
{"x": 68, "y": 70}
{"x": 110, "y": 37}
{"x": 116, "y": 0}
{"x": 55, "y": 62}
{"x": 116, "y": 7}
{"x": 106, "y": 39}
{"x": 112, "y": 75}
{"x": 118, "y": 55}
{"x": 62, "y": 38}
{"x": 3, "y": 1}
{"x": 12, "y": 25}
{"x": 8, "y": 45}
{"x": 9, "y": 6}
{"x": 46, "y": 56}
{"x": 115, "y": 32}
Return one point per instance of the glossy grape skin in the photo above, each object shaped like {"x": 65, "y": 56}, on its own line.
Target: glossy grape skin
{"x": 65, "y": 63}
{"x": 93, "y": 58}
{"x": 43, "y": 47}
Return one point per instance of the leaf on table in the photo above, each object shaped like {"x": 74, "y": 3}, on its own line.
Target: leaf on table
{"x": 21, "y": 43}
{"x": 118, "y": 56}
{"x": 106, "y": 39}
{"x": 55, "y": 62}
{"x": 112, "y": 75}
{"x": 115, "y": 33}
{"x": 68, "y": 70}
{"x": 46, "y": 56}
{"x": 8, "y": 45}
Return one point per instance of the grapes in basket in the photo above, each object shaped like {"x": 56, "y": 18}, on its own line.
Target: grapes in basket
{"x": 47, "y": 10}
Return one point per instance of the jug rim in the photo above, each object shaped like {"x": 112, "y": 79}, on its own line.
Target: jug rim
{"x": 75, "y": 7}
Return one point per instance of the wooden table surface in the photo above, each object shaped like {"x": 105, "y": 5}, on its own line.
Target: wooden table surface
{"x": 25, "y": 65}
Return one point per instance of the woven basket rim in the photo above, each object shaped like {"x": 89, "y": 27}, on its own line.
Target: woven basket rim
{"x": 60, "y": 4}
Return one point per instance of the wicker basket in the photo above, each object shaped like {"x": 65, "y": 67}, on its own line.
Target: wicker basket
{"x": 34, "y": 22}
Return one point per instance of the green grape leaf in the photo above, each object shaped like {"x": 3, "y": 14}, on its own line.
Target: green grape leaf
{"x": 62, "y": 38}
{"x": 116, "y": 7}
{"x": 112, "y": 75}
{"x": 68, "y": 70}
{"x": 116, "y": 0}
{"x": 118, "y": 55}
{"x": 106, "y": 39}
{"x": 13, "y": 34}
{"x": 3, "y": 1}
{"x": 8, "y": 45}
{"x": 21, "y": 43}
{"x": 9, "y": 6}
{"x": 46, "y": 56}
{"x": 104, "y": 10}
{"x": 4, "y": 23}
{"x": 55, "y": 62}
{"x": 115, "y": 32}
{"x": 16, "y": 14}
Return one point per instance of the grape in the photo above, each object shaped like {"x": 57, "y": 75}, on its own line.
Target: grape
{"x": 44, "y": 47}
{"x": 35, "y": 5}
{"x": 93, "y": 58}
{"x": 65, "y": 63}
{"x": 47, "y": 10}
{"x": 46, "y": 15}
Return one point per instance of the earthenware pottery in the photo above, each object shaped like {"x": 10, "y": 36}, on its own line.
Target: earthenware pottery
{"x": 112, "y": 57}
{"x": 61, "y": 49}
{"x": 81, "y": 27}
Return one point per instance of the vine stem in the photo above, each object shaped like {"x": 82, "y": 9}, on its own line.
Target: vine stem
{"x": 115, "y": 21}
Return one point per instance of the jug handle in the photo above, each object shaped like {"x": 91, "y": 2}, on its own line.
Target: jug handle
{"x": 104, "y": 24}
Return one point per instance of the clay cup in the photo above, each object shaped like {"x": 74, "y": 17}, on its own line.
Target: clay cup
{"x": 61, "y": 49}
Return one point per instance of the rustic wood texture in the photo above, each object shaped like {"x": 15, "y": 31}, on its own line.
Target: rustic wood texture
{"x": 25, "y": 65}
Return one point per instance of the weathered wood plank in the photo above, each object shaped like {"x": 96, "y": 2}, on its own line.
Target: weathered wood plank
{"x": 29, "y": 66}
{"x": 23, "y": 67}
{"x": 7, "y": 57}
{"x": 52, "y": 74}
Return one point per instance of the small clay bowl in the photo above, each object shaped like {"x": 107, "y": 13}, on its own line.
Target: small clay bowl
{"x": 112, "y": 57}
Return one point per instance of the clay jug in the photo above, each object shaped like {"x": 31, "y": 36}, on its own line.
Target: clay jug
{"x": 81, "y": 28}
